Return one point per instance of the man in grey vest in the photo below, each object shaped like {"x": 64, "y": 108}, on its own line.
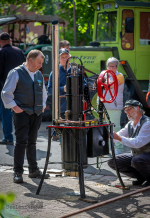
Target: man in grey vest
{"x": 136, "y": 135}
{"x": 24, "y": 92}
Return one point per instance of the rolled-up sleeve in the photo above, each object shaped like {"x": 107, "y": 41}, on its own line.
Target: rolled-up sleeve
{"x": 139, "y": 141}
{"x": 9, "y": 88}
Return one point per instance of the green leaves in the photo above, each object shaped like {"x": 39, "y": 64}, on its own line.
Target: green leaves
{"x": 84, "y": 14}
{"x": 38, "y": 6}
{"x": 63, "y": 9}
{"x": 6, "y": 198}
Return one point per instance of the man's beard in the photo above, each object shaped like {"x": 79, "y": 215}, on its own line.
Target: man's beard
{"x": 133, "y": 116}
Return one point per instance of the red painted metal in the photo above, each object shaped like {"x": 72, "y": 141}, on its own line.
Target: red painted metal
{"x": 104, "y": 86}
{"x": 77, "y": 127}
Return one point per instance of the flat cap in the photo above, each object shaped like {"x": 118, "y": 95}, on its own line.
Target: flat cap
{"x": 4, "y": 36}
{"x": 63, "y": 50}
{"x": 129, "y": 103}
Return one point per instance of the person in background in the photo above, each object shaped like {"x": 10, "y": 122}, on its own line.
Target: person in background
{"x": 135, "y": 135}
{"x": 64, "y": 44}
{"x": 63, "y": 56}
{"x": 25, "y": 93}
{"x": 114, "y": 109}
{"x": 10, "y": 57}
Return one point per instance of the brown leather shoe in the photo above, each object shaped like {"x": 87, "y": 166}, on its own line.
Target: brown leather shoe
{"x": 37, "y": 174}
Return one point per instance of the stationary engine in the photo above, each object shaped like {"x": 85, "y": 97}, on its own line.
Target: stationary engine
{"x": 90, "y": 136}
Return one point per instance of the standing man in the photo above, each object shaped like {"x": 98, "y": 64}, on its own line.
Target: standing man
{"x": 136, "y": 135}
{"x": 10, "y": 57}
{"x": 24, "y": 92}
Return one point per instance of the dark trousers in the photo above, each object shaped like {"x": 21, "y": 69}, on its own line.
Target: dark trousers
{"x": 133, "y": 166}
{"x": 26, "y": 129}
{"x": 6, "y": 117}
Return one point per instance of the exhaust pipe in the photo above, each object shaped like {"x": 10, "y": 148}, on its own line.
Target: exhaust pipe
{"x": 55, "y": 69}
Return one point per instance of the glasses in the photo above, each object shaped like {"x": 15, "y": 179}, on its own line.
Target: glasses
{"x": 112, "y": 66}
{"x": 63, "y": 58}
{"x": 126, "y": 110}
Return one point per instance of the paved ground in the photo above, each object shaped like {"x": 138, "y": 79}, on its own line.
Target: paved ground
{"x": 56, "y": 199}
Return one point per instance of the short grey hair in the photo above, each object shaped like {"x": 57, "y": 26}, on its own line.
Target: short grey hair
{"x": 34, "y": 53}
{"x": 140, "y": 110}
{"x": 113, "y": 61}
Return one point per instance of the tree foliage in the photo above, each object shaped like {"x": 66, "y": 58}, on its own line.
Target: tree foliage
{"x": 84, "y": 20}
{"x": 84, "y": 15}
{"x": 37, "y": 6}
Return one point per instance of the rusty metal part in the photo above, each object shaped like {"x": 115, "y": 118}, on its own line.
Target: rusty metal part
{"x": 91, "y": 72}
{"x": 106, "y": 202}
{"x": 67, "y": 113}
{"x": 80, "y": 122}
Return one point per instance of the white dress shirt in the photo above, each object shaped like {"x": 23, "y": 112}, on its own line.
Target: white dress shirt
{"x": 140, "y": 140}
{"x": 7, "y": 93}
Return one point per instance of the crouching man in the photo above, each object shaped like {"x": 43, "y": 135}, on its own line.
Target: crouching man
{"x": 136, "y": 135}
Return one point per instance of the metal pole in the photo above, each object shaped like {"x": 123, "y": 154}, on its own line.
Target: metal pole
{"x": 80, "y": 167}
{"x": 45, "y": 29}
{"x": 25, "y": 46}
{"x": 64, "y": 30}
{"x": 46, "y": 161}
{"x": 55, "y": 69}
{"x": 106, "y": 202}
{"x": 75, "y": 28}
{"x": 114, "y": 158}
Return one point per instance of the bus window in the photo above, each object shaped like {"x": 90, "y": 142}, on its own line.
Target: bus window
{"x": 127, "y": 41}
{"x": 106, "y": 26}
{"x": 145, "y": 28}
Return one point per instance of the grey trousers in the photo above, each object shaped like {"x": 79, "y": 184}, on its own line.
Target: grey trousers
{"x": 133, "y": 166}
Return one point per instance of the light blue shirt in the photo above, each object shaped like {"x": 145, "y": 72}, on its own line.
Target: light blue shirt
{"x": 139, "y": 141}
